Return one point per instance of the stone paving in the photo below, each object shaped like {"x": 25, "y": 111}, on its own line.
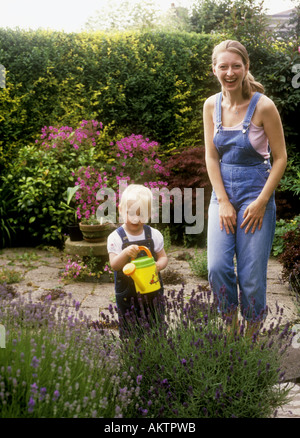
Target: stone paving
{"x": 42, "y": 270}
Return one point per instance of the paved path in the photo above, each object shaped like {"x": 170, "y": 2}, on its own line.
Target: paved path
{"x": 42, "y": 271}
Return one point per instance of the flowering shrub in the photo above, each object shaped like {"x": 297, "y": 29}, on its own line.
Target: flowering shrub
{"x": 59, "y": 363}
{"x": 75, "y": 270}
{"x": 84, "y": 269}
{"x": 65, "y": 137}
{"x": 53, "y": 365}
{"x": 128, "y": 157}
{"x": 138, "y": 157}
{"x": 290, "y": 258}
{"x": 191, "y": 366}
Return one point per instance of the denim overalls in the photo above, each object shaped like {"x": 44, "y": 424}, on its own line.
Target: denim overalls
{"x": 126, "y": 295}
{"x": 244, "y": 172}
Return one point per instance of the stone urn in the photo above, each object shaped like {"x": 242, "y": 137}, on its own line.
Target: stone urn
{"x": 95, "y": 233}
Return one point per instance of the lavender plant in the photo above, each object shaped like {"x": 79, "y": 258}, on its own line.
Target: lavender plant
{"x": 53, "y": 365}
{"x": 190, "y": 366}
{"x": 180, "y": 361}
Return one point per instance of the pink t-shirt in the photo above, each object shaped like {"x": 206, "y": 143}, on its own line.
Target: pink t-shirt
{"x": 257, "y": 136}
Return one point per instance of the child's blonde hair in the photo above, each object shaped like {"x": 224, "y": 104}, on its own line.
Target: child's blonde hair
{"x": 141, "y": 196}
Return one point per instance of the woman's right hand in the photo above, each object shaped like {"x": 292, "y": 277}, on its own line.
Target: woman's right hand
{"x": 227, "y": 216}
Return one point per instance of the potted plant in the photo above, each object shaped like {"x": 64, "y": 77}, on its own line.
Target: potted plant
{"x": 73, "y": 229}
{"x": 93, "y": 230}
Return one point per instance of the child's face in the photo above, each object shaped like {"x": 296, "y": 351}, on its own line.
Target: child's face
{"x": 134, "y": 217}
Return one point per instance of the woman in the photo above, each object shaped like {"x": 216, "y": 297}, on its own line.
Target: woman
{"x": 242, "y": 126}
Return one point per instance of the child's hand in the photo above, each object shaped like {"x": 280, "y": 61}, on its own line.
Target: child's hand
{"x": 132, "y": 251}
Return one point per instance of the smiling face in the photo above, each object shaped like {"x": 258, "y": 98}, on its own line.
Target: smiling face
{"x": 230, "y": 70}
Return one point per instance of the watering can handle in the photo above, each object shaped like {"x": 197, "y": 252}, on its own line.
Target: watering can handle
{"x": 147, "y": 251}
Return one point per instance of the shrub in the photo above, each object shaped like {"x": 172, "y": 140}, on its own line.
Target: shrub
{"x": 191, "y": 366}
{"x": 150, "y": 83}
{"x": 187, "y": 169}
{"x": 282, "y": 227}
{"x": 198, "y": 263}
{"x": 53, "y": 366}
{"x": 290, "y": 258}
{"x": 59, "y": 363}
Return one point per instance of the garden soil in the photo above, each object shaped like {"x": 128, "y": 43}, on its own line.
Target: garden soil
{"x": 41, "y": 271}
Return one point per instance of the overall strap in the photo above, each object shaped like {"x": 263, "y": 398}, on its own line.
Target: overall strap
{"x": 124, "y": 237}
{"x": 250, "y": 110}
{"x": 218, "y": 110}
{"x": 122, "y": 234}
{"x": 147, "y": 230}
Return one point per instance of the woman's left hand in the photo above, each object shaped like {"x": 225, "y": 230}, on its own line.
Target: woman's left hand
{"x": 253, "y": 216}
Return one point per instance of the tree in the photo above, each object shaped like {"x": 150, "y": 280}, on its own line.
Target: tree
{"x": 240, "y": 19}
{"x": 140, "y": 15}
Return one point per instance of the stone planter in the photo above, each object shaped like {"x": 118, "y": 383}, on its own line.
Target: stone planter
{"x": 95, "y": 233}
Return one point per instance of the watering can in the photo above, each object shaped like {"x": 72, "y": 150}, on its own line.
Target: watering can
{"x": 143, "y": 272}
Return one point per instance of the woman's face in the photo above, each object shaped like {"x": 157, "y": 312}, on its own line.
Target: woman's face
{"x": 230, "y": 70}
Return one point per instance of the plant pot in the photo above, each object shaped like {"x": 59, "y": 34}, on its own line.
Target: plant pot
{"x": 95, "y": 233}
{"x": 75, "y": 233}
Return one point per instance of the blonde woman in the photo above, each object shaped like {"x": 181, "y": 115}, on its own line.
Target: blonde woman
{"x": 242, "y": 128}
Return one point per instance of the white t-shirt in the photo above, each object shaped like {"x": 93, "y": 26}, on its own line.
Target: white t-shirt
{"x": 114, "y": 241}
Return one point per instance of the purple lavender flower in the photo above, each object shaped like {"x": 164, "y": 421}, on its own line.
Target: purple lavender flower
{"x": 56, "y": 395}
{"x": 31, "y": 404}
{"x": 35, "y": 362}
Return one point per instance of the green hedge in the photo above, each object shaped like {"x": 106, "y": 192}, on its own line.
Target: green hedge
{"x": 152, "y": 84}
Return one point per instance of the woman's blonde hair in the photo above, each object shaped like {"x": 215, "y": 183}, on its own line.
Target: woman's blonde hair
{"x": 141, "y": 196}
{"x": 249, "y": 83}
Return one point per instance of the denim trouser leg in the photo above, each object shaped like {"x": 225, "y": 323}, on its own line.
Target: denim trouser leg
{"x": 252, "y": 254}
{"x": 220, "y": 260}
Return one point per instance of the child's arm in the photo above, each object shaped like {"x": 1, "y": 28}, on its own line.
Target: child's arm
{"x": 162, "y": 260}
{"x": 118, "y": 261}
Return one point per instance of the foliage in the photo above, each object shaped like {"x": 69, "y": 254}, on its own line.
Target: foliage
{"x": 122, "y": 167}
{"x": 40, "y": 196}
{"x": 283, "y": 227}
{"x": 290, "y": 258}
{"x": 238, "y": 19}
{"x": 59, "y": 363}
{"x": 7, "y": 205}
{"x": 53, "y": 366}
{"x": 86, "y": 268}
{"x": 198, "y": 263}
{"x": 201, "y": 369}
{"x": 150, "y": 83}
{"x": 187, "y": 169}
{"x": 9, "y": 276}
{"x": 38, "y": 178}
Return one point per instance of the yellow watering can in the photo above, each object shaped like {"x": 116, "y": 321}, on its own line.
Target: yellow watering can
{"x": 143, "y": 272}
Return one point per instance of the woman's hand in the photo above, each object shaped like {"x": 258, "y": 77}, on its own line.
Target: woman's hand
{"x": 227, "y": 216}
{"x": 253, "y": 216}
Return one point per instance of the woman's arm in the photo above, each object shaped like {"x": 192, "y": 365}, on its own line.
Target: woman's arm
{"x": 270, "y": 118}
{"x": 227, "y": 213}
